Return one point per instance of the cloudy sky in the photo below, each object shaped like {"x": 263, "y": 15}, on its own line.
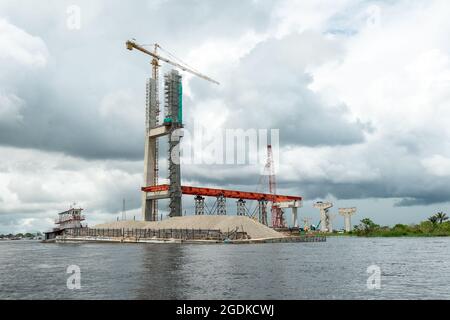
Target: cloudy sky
{"x": 360, "y": 91}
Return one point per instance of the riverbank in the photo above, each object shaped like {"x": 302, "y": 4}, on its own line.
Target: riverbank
{"x": 436, "y": 226}
{"x": 388, "y": 234}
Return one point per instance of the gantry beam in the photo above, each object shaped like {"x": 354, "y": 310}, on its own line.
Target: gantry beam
{"x": 210, "y": 192}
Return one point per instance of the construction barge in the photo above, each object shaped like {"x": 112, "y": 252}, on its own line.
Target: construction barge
{"x": 200, "y": 229}
{"x": 198, "y": 236}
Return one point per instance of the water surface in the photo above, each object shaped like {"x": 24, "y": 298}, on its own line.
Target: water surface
{"x": 411, "y": 268}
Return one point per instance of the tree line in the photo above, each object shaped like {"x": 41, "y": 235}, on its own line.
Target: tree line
{"x": 436, "y": 225}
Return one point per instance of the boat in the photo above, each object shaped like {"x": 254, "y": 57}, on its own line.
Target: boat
{"x": 69, "y": 219}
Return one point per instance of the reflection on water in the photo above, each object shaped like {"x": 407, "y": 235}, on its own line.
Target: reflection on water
{"x": 410, "y": 268}
{"x": 160, "y": 277}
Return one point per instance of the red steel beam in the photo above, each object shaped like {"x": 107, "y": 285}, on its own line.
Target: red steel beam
{"x": 210, "y": 192}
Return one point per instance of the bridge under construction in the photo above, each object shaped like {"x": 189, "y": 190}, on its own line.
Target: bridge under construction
{"x": 171, "y": 127}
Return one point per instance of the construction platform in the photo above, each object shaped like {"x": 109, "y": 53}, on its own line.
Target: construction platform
{"x": 188, "y": 229}
{"x": 75, "y": 239}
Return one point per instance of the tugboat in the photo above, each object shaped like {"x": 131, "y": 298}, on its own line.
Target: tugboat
{"x": 70, "y": 219}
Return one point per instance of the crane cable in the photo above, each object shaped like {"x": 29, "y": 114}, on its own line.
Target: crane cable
{"x": 172, "y": 56}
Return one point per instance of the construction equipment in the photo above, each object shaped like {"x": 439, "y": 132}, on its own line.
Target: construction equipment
{"x": 268, "y": 179}
{"x": 317, "y": 226}
{"x": 156, "y": 57}
{"x": 277, "y": 211}
{"x": 154, "y": 130}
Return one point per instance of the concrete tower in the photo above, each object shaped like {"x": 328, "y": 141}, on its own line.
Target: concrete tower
{"x": 171, "y": 127}
{"x": 150, "y": 206}
{"x": 174, "y": 120}
{"x": 325, "y": 216}
{"x": 347, "y": 214}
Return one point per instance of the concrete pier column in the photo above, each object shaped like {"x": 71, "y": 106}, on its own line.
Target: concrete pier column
{"x": 325, "y": 216}
{"x": 294, "y": 217}
{"x": 149, "y": 212}
{"x": 347, "y": 214}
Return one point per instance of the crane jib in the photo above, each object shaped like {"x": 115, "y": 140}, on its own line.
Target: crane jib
{"x": 130, "y": 45}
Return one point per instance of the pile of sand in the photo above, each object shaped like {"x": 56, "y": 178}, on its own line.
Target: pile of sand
{"x": 253, "y": 228}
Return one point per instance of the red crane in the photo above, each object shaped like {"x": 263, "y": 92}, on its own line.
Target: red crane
{"x": 277, "y": 212}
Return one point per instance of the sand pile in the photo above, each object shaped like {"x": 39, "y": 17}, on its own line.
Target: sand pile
{"x": 253, "y": 228}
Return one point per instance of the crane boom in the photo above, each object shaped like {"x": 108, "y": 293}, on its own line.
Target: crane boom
{"x": 133, "y": 45}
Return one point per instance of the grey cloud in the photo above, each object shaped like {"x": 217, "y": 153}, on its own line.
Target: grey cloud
{"x": 269, "y": 89}
{"x": 61, "y": 101}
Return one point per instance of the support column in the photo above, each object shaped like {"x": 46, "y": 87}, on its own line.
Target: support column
{"x": 329, "y": 222}
{"x": 199, "y": 206}
{"x": 325, "y": 216}
{"x": 173, "y": 119}
{"x": 221, "y": 205}
{"x": 348, "y": 223}
{"x": 262, "y": 208}
{"x": 347, "y": 214}
{"x": 294, "y": 217}
{"x": 175, "y": 174}
{"x": 240, "y": 207}
{"x": 323, "y": 220}
{"x": 150, "y": 207}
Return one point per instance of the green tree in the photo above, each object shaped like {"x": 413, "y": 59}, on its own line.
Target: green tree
{"x": 433, "y": 219}
{"x": 441, "y": 217}
{"x": 366, "y": 227}
{"x": 369, "y": 224}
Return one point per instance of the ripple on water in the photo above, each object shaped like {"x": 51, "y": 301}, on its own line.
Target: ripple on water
{"x": 336, "y": 269}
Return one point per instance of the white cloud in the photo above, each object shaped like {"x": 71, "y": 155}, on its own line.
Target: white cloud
{"x": 16, "y": 45}
{"x": 396, "y": 71}
{"x": 329, "y": 164}
{"x": 34, "y": 182}
{"x": 437, "y": 165}
{"x": 292, "y": 16}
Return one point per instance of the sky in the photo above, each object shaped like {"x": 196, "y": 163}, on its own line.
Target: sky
{"x": 359, "y": 92}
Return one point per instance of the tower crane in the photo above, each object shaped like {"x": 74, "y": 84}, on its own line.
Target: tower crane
{"x": 157, "y": 57}
{"x": 155, "y": 62}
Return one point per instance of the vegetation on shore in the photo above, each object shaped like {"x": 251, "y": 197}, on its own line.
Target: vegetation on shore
{"x": 435, "y": 226}
{"x": 20, "y": 236}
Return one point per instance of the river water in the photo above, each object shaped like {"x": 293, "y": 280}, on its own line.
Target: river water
{"x": 411, "y": 268}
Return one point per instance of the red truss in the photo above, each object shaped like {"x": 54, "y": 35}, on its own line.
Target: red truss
{"x": 210, "y": 192}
